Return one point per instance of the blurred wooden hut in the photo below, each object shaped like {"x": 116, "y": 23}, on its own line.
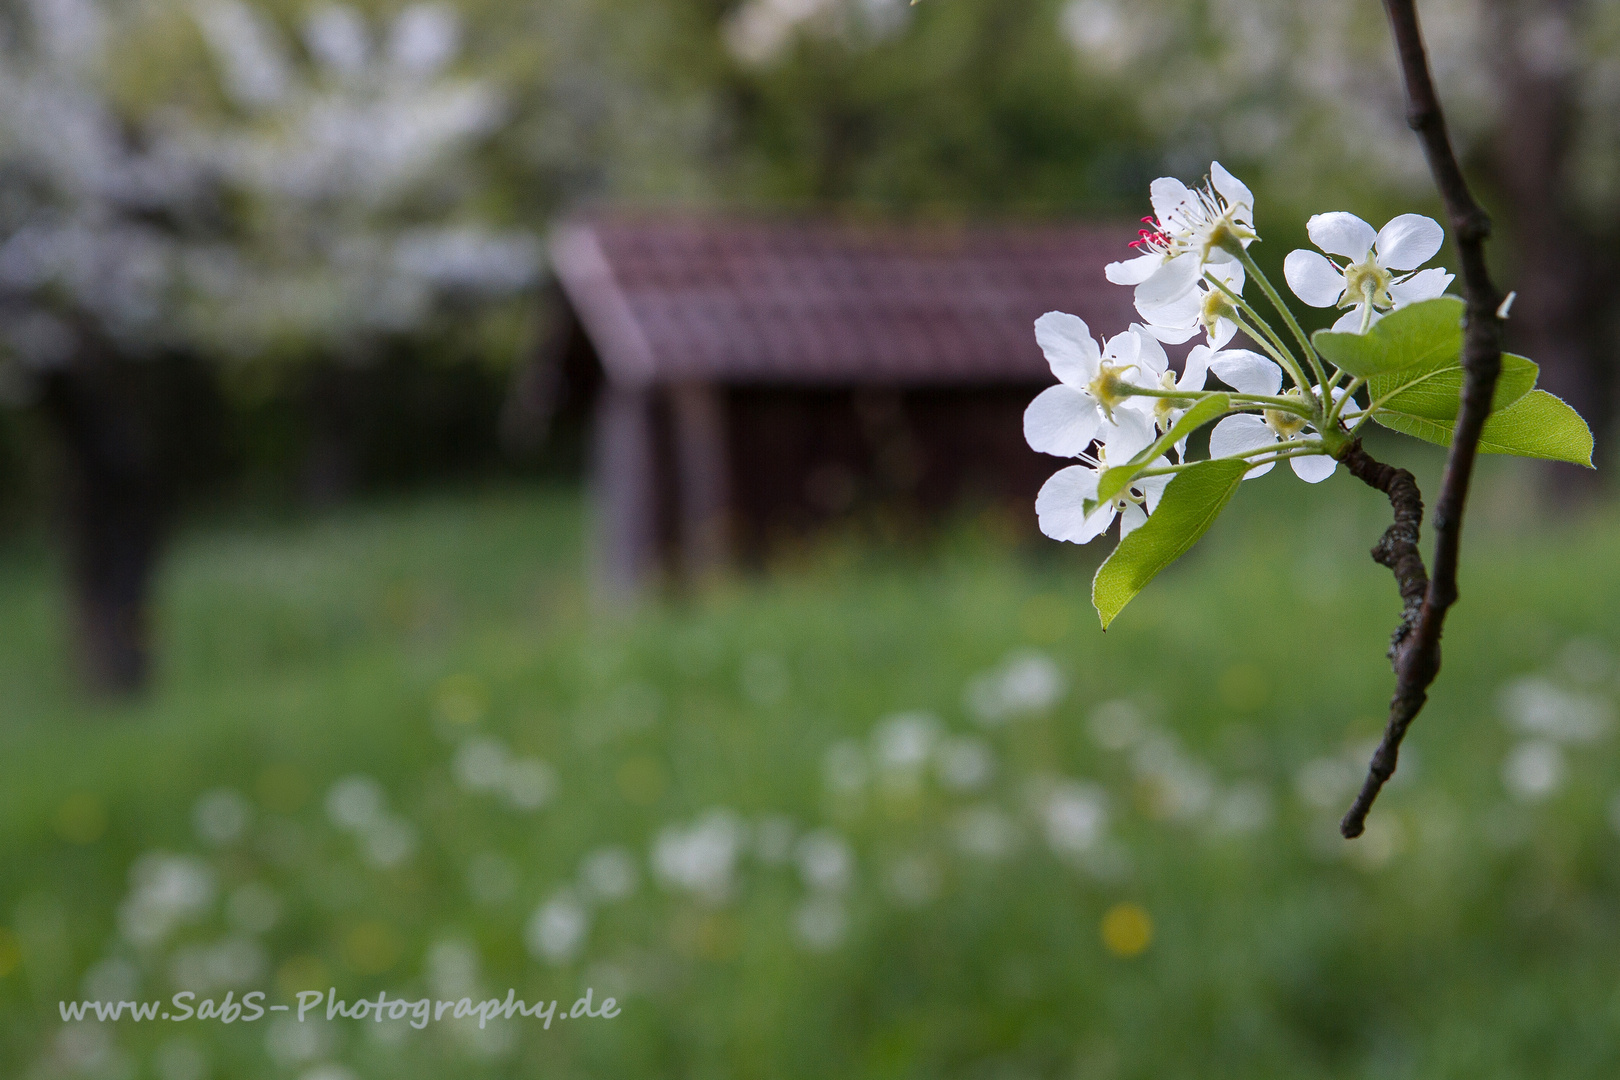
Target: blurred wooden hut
{"x": 753, "y": 377}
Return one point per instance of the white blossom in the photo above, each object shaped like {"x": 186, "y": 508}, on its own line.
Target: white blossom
{"x": 1190, "y": 228}
{"x": 1250, "y": 373}
{"x": 1371, "y": 278}
{"x": 1091, "y": 400}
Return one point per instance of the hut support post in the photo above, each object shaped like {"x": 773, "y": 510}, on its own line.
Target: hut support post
{"x": 703, "y": 477}
{"x": 625, "y": 550}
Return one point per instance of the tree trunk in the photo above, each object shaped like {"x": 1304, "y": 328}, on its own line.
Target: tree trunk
{"x": 115, "y": 503}
{"x": 1565, "y": 266}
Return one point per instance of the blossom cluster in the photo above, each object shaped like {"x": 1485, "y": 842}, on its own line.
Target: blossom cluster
{"x": 1119, "y": 398}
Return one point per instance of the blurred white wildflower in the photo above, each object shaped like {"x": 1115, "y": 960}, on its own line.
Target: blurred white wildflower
{"x": 608, "y": 873}
{"x": 335, "y": 36}
{"x": 759, "y": 31}
{"x": 1534, "y": 770}
{"x": 1180, "y": 788}
{"x": 1026, "y": 683}
{"x": 1325, "y": 783}
{"x": 1384, "y": 839}
{"x": 290, "y": 1043}
{"x": 389, "y": 842}
{"x": 423, "y": 39}
{"x": 355, "y": 803}
{"x": 700, "y": 858}
{"x": 1538, "y": 707}
{"x": 480, "y": 764}
{"x": 826, "y": 861}
{"x": 231, "y": 962}
{"x": 452, "y": 968}
{"x": 556, "y": 931}
{"x": 253, "y": 908}
{"x": 166, "y": 891}
{"x": 529, "y": 783}
{"x": 85, "y": 1049}
{"x": 964, "y": 764}
{"x": 1074, "y": 817}
{"x": 901, "y": 747}
{"x": 485, "y": 765}
{"x": 821, "y": 923}
{"x": 221, "y": 816}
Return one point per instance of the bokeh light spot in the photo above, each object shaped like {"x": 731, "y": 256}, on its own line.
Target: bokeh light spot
{"x": 1127, "y": 930}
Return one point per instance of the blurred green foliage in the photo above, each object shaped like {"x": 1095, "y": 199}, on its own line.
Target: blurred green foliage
{"x": 1146, "y": 882}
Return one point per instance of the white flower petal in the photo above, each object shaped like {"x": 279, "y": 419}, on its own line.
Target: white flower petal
{"x": 1229, "y": 187}
{"x": 1167, "y": 195}
{"x": 1240, "y": 433}
{"x": 1349, "y": 410}
{"x": 1123, "y": 350}
{"x": 1062, "y": 421}
{"x": 1313, "y": 468}
{"x": 1129, "y": 434}
{"x": 1171, "y": 335}
{"x": 1408, "y": 241}
{"x": 1224, "y": 331}
{"x": 1313, "y": 278}
{"x": 1060, "y": 506}
{"x": 1130, "y": 519}
{"x": 1340, "y": 233}
{"x": 1350, "y": 321}
{"x": 1423, "y": 285}
{"x": 1069, "y": 347}
{"x": 1169, "y": 282}
{"x": 1153, "y": 486}
{"x": 1150, "y": 355}
{"x": 1247, "y": 372}
{"x": 1180, "y": 311}
{"x": 1133, "y": 271}
{"x": 1229, "y": 274}
{"x": 1195, "y": 369}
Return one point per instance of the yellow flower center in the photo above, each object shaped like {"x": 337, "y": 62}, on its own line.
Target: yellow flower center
{"x": 1109, "y": 387}
{"x": 1285, "y": 424}
{"x": 1164, "y": 408}
{"x": 1214, "y": 308}
{"x": 1367, "y": 283}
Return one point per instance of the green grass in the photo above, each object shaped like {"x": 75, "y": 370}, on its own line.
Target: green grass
{"x": 1470, "y": 935}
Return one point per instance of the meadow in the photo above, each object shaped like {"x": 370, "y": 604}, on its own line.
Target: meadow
{"x": 883, "y": 811}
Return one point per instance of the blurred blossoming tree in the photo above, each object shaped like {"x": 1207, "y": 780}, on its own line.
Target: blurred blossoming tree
{"x": 305, "y": 209}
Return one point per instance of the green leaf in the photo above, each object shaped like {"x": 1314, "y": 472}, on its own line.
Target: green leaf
{"x": 1190, "y": 504}
{"x": 1116, "y": 479}
{"x": 1421, "y": 335}
{"x": 1538, "y": 425}
{"x": 1435, "y": 393}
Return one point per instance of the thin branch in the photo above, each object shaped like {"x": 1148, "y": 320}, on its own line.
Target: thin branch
{"x": 1398, "y": 550}
{"x": 1416, "y": 655}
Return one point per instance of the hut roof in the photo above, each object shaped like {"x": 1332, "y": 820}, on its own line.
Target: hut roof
{"x": 672, "y": 299}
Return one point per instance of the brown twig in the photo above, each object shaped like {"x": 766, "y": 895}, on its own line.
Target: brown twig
{"x": 1416, "y": 651}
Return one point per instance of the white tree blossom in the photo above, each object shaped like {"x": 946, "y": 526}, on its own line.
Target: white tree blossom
{"x": 1371, "y": 279}
{"x": 1091, "y": 401}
